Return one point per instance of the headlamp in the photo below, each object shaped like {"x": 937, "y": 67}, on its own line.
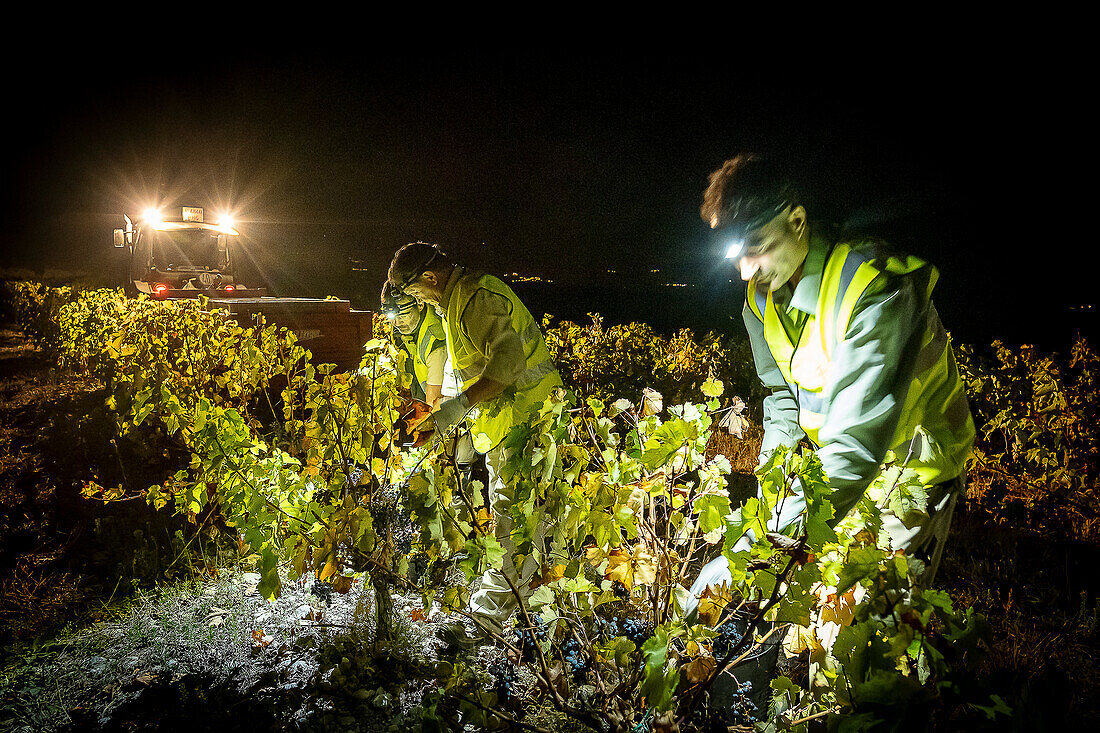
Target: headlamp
{"x": 734, "y": 233}
{"x": 395, "y": 303}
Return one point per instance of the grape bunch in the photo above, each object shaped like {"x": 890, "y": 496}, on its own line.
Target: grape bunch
{"x": 390, "y": 512}
{"x": 418, "y": 566}
{"x": 574, "y": 656}
{"x": 528, "y": 638}
{"x": 729, "y": 636}
{"x": 634, "y": 629}
{"x": 322, "y": 590}
{"x": 355, "y": 475}
{"x": 743, "y": 710}
{"x": 505, "y": 677}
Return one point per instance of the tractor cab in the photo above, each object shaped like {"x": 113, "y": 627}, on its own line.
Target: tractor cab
{"x": 181, "y": 257}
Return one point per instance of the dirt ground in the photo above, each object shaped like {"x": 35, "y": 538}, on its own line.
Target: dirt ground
{"x": 61, "y": 554}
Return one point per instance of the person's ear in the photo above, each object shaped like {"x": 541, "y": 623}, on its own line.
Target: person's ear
{"x": 796, "y": 220}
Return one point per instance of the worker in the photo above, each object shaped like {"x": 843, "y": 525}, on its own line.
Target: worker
{"x": 846, "y": 338}
{"x": 501, "y": 361}
{"x": 418, "y": 331}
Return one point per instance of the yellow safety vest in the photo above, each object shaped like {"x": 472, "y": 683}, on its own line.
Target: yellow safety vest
{"x": 428, "y": 337}
{"x": 496, "y": 417}
{"x": 935, "y": 430}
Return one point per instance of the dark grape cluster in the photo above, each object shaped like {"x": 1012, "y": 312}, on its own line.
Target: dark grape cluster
{"x": 528, "y": 638}
{"x": 574, "y": 656}
{"x": 634, "y": 629}
{"x": 742, "y": 710}
{"x": 729, "y": 636}
{"x": 505, "y": 677}
{"x": 418, "y": 567}
{"x": 737, "y": 713}
{"x": 390, "y": 513}
{"x": 323, "y": 591}
{"x": 355, "y": 475}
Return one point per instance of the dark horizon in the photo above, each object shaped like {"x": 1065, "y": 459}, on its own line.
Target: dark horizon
{"x": 561, "y": 170}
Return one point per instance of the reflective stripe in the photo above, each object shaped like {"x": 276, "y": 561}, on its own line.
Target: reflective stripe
{"x": 761, "y": 300}
{"x": 811, "y": 401}
{"x": 531, "y": 333}
{"x": 534, "y": 374}
{"x": 852, "y": 263}
{"x": 469, "y": 372}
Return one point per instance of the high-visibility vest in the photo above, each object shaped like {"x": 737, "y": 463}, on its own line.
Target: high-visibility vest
{"x": 496, "y": 417}
{"x": 935, "y": 429}
{"x": 429, "y": 336}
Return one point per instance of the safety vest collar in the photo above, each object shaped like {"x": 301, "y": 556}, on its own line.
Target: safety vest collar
{"x": 805, "y": 296}
{"x": 448, "y": 290}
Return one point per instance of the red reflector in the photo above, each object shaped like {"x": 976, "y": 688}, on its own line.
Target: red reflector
{"x": 160, "y": 288}
{"x": 229, "y": 288}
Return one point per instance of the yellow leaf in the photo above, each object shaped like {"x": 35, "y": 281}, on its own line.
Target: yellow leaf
{"x": 483, "y": 520}
{"x": 712, "y": 601}
{"x": 619, "y": 568}
{"x": 594, "y": 554}
{"x": 329, "y": 569}
{"x": 645, "y": 568}
{"x": 301, "y": 558}
{"x": 548, "y": 575}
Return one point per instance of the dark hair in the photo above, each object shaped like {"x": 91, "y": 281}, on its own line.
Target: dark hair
{"x": 395, "y": 302}
{"x": 746, "y": 192}
{"x": 413, "y": 259}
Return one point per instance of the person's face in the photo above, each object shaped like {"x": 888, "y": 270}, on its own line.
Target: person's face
{"x": 774, "y": 253}
{"x": 407, "y": 320}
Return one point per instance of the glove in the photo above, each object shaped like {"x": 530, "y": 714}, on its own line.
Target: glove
{"x": 717, "y": 571}
{"x": 450, "y": 412}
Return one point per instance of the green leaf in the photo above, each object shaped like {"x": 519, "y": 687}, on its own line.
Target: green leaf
{"x": 665, "y": 441}
{"x": 712, "y": 510}
{"x": 483, "y": 443}
{"x": 269, "y": 586}
{"x": 998, "y": 707}
{"x": 661, "y": 674}
{"x": 713, "y": 388}
{"x": 862, "y": 563}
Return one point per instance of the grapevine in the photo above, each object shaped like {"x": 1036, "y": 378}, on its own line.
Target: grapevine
{"x": 632, "y": 497}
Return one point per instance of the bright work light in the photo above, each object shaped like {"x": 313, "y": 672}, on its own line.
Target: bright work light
{"x": 152, "y": 216}
{"x": 736, "y": 247}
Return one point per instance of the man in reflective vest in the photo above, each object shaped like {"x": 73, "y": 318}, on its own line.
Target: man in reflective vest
{"x": 846, "y": 338}
{"x": 504, "y": 369}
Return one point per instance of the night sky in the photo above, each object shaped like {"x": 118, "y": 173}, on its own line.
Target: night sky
{"x": 562, "y": 168}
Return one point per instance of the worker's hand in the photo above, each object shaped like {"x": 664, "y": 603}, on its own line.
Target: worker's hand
{"x": 450, "y": 412}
